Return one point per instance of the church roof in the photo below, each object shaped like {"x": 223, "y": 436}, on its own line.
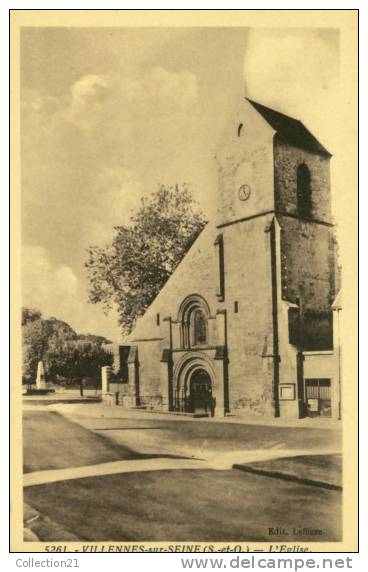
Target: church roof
{"x": 290, "y": 130}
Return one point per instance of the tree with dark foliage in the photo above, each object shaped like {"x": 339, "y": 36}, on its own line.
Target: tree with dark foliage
{"x": 76, "y": 360}
{"x": 129, "y": 273}
{"x": 66, "y": 354}
{"x": 37, "y": 334}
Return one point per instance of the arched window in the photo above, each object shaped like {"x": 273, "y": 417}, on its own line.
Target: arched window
{"x": 304, "y": 194}
{"x": 199, "y": 327}
{"x": 193, "y": 317}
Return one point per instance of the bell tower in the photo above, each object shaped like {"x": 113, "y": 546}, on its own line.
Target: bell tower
{"x": 277, "y": 252}
{"x": 245, "y": 167}
{"x": 271, "y": 164}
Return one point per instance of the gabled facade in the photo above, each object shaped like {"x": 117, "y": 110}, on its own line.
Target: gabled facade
{"x": 226, "y": 334}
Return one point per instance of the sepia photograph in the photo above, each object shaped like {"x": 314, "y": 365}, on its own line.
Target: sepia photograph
{"x": 184, "y": 199}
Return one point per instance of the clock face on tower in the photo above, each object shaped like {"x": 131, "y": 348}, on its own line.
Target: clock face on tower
{"x": 244, "y": 192}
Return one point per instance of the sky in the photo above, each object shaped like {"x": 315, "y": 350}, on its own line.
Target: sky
{"x": 109, "y": 113}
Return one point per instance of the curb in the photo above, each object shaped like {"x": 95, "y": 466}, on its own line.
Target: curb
{"x": 287, "y": 477}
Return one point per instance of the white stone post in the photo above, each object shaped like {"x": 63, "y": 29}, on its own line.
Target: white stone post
{"x": 105, "y": 379}
{"x": 40, "y": 379}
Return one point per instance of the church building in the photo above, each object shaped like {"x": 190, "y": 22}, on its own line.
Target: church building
{"x": 245, "y": 325}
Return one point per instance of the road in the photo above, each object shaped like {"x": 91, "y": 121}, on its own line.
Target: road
{"x": 180, "y": 485}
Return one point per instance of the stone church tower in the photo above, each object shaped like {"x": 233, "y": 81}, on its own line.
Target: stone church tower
{"x": 229, "y": 331}
{"x": 275, "y": 222}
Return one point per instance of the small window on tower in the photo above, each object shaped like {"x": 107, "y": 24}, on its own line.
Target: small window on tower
{"x": 240, "y": 127}
{"x": 304, "y": 194}
{"x": 158, "y": 319}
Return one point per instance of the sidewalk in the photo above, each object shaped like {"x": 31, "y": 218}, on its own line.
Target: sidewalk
{"x": 275, "y": 463}
{"x": 113, "y": 468}
{"x": 88, "y": 409}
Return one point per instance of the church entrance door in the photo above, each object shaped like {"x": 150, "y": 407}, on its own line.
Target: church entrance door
{"x": 200, "y": 396}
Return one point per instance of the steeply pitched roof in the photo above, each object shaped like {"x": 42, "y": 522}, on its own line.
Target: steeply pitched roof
{"x": 290, "y": 130}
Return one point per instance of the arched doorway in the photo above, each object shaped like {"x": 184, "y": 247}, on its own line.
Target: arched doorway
{"x": 200, "y": 393}
{"x": 194, "y": 385}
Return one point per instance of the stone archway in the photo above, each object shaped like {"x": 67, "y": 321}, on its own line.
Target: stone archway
{"x": 193, "y": 316}
{"x": 194, "y": 385}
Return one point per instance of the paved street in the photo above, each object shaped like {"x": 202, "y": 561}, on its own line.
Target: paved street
{"x": 95, "y": 476}
{"x": 221, "y": 443}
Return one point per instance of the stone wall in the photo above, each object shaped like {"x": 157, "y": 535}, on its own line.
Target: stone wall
{"x": 196, "y": 274}
{"x": 250, "y": 330}
{"x": 307, "y": 263}
{"x": 149, "y": 356}
{"x": 308, "y": 257}
{"x": 246, "y": 158}
{"x": 303, "y": 266}
{"x": 286, "y": 162}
